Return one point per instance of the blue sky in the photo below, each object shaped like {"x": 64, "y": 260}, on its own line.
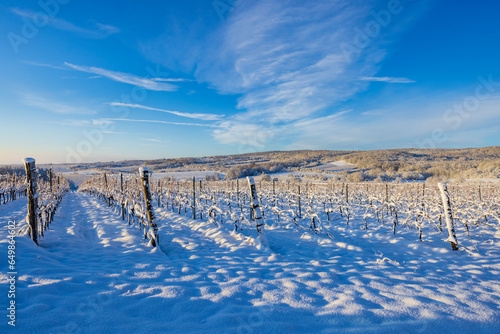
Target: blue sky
{"x": 90, "y": 81}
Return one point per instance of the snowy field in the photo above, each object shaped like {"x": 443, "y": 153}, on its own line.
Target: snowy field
{"x": 181, "y": 175}
{"x": 93, "y": 273}
{"x": 336, "y": 166}
{"x": 284, "y": 175}
{"x": 77, "y": 178}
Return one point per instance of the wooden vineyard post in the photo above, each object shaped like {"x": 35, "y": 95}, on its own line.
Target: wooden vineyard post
{"x": 50, "y": 179}
{"x": 300, "y": 206}
{"x": 348, "y": 216}
{"x": 13, "y": 191}
{"x": 159, "y": 194}
{"x": 387, "y": 199}
{"x": 237, "y": 191}
{"x": 106, "y": 188}
{"x": 423, "y": 198}
{"x": 274, "y": 191}
{"x": 347, "y": 193}
{"x": 452, "y": 239}
{"x": 257, "y": 212}
{"x": 144, "y": 173}
{"x": 194, "y": 198}
{"x": 29, "y": 165}
{"x": 122, "y": 197}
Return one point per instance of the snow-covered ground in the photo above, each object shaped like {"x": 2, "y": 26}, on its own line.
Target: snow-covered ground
{"x": 487, "y": 180}
{"x": 301, "y": 175}
{"x": 181, "y": 175}
{"x": 336, "y": 166}
{"x": 93, "y": 273}
{"x": 77, "y": 178}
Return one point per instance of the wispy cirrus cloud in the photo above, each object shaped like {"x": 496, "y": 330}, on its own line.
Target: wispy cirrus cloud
{"x": 69, "y": 67}
{"x": 407, "y": 123}
{"x": 127, "y": 78}
{"x": 152, "y": 140}
{"x": 87, "y": 123}
{"x": 388, "y": 79}
{"x": 205, "y": 117}
{"x": 286, "y": 62}
{"x": 96, "y": 31}
{"x": 72, "y": 122}
{"x": 155, "y": 121}
{"x": 37, "y": 101}
{"x": 55, "y": 67}
{"x": 171, "y": 79}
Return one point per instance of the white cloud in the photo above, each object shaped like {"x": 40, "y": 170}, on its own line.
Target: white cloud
{"x": 152, "y": 140}
{"x": 113, "y": 132}
{"x": 412, "y": 124}
{"x": 154, "y": 121}
{"x": 387, "y": 79}
{"x": 286, "y": 62}
{"x": 171, "y": 79}
{"x": 101, "y": 122}
{"x": 125, "y": 78}
{"x": 33, "y": 63}
{"x": 98, "y": 30}
{"x": 254, "y": 135}
{"x": 73, "y": 122}
{"x": 205, "y": 117}
{"x": 34, "y": 100}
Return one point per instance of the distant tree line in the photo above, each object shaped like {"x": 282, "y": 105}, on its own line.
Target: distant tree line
{"x": 378, "y": 165}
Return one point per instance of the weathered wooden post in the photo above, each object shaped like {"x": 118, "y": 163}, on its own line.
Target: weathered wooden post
{"x": 29, "y": 165}
{"x": 13, "y": 189}
{"x": 346, "y": 211}
{"x": 50, "y": 179}
{"x": 105, "y": 193}
{"x": 237, "y": 191}
{"x": 159, "y": 193}
{"x": 257, "y": 212}
{"x": 423, "y": 198}
{"x": 347, "y": 193}
{"x": 194, "y": 198}
{"x": 144, "y": 173}
{"x": 387, "y": 198}
{"x": 300, "y": 206}
{"x": 274, "y": 191}
{"x": 122, "y": 197}
{"x": 445, "y": 197}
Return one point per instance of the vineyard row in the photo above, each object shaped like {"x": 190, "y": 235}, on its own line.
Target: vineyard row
{"x": 310, "y": 206}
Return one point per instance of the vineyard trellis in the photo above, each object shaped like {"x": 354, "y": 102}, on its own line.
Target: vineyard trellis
{"x": 44, "y": 191}
{"x": 315, "y": 207}
{"x": 12, "y": 187}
